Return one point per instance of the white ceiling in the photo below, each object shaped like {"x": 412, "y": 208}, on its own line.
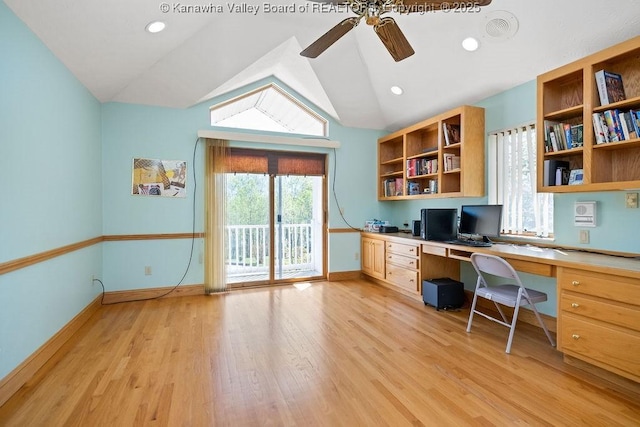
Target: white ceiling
{"x": 200, "y": 55}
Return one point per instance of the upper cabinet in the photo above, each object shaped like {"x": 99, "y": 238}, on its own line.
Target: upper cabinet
{"x": 589, "y": 142}
{"x": 442, "y": 156}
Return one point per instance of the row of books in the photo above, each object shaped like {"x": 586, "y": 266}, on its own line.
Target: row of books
{"x": 393, "y": 187}
{"x": 451, "y": 162}
{"x": 610, "y": 87}
{"x": 416, "y": 167}
{"x": 615, "y": 125}
{"x": 562, "y": 136}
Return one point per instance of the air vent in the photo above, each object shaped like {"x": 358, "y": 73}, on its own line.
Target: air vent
{"x": 500, "y": 25}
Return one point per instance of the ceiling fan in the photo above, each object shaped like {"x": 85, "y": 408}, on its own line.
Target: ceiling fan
{"x": 384, "y": 26}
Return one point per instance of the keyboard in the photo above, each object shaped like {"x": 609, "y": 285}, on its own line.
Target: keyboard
{"x": 472, "y": 243}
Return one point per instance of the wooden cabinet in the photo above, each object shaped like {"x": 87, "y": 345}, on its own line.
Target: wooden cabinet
{"x": 424, "y": 160}
{"x": 599, "y": 320}
{"x": 393, "y": 261}
{"x": 373, "y": 257}
{"x": 569, "y": 95}
{"x": 403, "y": 266}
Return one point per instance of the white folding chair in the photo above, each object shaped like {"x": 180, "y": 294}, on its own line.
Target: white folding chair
{"x": 511, "y": 295}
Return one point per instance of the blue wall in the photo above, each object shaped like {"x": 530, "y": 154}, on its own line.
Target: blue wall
{"x": 51, "y": 163}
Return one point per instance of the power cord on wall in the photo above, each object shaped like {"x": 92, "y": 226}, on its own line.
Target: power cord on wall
{"x": 333, "y": 188}
{"x": 193, "y": 239}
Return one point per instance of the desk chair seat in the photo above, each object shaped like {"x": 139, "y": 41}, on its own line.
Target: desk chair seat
{"x": 511, "y": 295}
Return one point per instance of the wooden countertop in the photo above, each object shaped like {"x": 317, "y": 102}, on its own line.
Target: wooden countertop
{"x": 571, "y": 258}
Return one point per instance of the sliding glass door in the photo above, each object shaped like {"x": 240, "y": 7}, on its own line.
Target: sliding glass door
{"x": 275, "y": 222}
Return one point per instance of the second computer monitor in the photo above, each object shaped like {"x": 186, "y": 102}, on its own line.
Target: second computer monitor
{"x": 482, "y": 220}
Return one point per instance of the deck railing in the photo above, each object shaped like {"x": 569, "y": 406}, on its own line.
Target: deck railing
{"x": 248, "y": 248}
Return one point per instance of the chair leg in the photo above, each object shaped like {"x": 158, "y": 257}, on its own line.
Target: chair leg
{"x": 544, "y": 327}
{"x": 473, "y": 308}
{"x": 512, "y": 328}
{"x": 504, "y": 318}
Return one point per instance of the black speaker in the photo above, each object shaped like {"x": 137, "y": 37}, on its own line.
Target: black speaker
{"x": 415, "y": 230}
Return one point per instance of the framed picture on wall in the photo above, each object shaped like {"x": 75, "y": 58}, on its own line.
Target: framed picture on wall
{"x": 163, "y": 178}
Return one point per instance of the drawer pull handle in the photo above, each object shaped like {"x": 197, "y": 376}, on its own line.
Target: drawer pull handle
{"x": 575, "y": 305}
{"x": 575, "y": 336}
{"x": 575, "y": 283}
{"x": 412, "y": 250}
{"x": 411, "y": 263}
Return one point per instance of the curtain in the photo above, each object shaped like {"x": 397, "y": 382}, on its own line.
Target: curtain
{"x": 215, "y": 216}
{"x": 525, "y": 211}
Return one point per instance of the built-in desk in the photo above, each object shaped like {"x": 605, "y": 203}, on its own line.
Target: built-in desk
{"x": 598, "y": 295}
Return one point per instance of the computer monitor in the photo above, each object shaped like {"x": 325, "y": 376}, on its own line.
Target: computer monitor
{"x": 482, "y": 220}
{"x": 439, "y": 224}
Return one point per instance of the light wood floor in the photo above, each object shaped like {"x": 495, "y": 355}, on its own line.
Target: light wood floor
{"x": 334, "y": 354}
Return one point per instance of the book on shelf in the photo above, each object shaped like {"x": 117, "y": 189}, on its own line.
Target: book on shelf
{"x": 610, "y": 87}
{"x": 612, "y": 126}
{"x": 399, "y": 186}
{"x": 451, "y": 133}
{"x": 562, "y": 175}
{"x": 389, "y": 187}
{"x": 413, "y": 188}
{"x": 451, "y": 162}
{"x": 550, "y": 169}
{"x": 577, "y": 136}
{"x": 629, "y": 127}
{"x": 576, "y": 177}
{"x": 600, "y": 128}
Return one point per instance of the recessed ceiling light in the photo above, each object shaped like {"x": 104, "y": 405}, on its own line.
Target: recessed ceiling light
{"x": 155, "y": 26}
{"x": 470, "y": 44}
{"x": 397, "y": 90}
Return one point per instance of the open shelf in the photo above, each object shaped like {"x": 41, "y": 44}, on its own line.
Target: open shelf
{"x": 569, "y": 96}
{"x": 424, "y": 148}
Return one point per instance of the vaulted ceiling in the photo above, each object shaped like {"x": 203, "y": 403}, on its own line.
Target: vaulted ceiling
{"x": 205, "y": 54}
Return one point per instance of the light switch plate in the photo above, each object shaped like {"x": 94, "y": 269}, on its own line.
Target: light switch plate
{"x": 632, "y": 200}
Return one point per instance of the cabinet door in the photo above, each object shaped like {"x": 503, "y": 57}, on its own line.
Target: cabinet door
{"x": 373, "y": 257}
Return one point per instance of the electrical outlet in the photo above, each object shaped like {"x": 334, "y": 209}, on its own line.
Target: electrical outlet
{"x": 584, "y": 236}
{"x": 93, "y": 278}
{"x": 356, "y": 256}
{"x": 632, "y": 200}
{"x": 200, "y": 258}
{"x": 341, "y": 211}
{"x": 147, "y": 270}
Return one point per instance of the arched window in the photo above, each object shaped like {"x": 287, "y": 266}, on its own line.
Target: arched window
{"x": 269, "y": 108}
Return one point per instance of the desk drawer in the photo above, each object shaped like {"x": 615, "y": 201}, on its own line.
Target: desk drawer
{"x": 608, "y": 345}
{"x": 399, "y": 248}
{"x": 615, "y": 288}
{"x": 404, "y": 278}
{"x": 434, "y": 250}
{"x": 607, "y": 311}
{"x": 404, "y": 261}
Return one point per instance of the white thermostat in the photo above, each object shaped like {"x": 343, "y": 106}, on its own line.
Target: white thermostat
{"x": 584, "y": 214}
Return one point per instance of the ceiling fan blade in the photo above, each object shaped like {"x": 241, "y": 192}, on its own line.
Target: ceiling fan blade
{"x": 429, "y": 5}
{"x": 330, "y": 37}
{"x": 393, "y": 39}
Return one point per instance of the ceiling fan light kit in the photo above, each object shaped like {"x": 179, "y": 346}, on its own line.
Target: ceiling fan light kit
{"x": 385, "y": 27}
